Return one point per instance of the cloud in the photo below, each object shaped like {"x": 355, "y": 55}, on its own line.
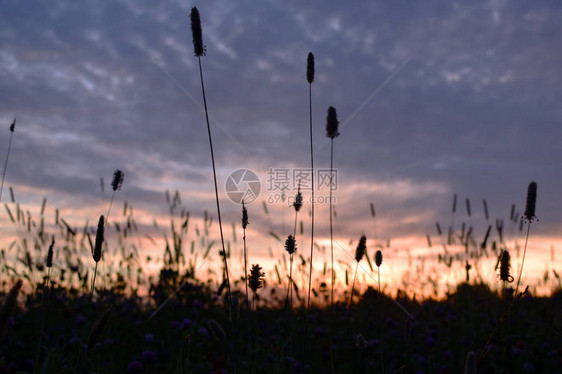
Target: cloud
{"x": 103, "y": 86}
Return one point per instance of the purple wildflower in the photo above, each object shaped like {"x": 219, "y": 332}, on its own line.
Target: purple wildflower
{"x": 186, "y": 323}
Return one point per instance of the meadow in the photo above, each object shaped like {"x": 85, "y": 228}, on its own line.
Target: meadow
{"x": 170, "y": 321}
{"x": 75, "y": 301}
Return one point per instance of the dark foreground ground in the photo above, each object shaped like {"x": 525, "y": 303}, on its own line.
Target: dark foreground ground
{"x": 66, "y": 332}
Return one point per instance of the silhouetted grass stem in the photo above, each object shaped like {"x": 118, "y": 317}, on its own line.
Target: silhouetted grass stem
{"x": 215, "y": 180}
{"x": 12, "y": 127}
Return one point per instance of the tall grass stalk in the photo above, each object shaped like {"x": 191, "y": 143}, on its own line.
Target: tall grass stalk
{"x": 291, "y": 248}
{"x": 244, "y": 225}
{"x": 529, "y": 216}
{"x": 332, "y": 132}
{"x": 12, "y": 128}
{"x": 199, "y": 50}
{"x": 310, "y": 79}
{"x": 297, "y": 205}
{"x": 97, "y": 251}
{"x": 378, "y": 262}
{"x": 44, "y": 301}
{"x": 116, "y": 184}
{"x": 255, "y": 281}
{"x": 359, "y": 253}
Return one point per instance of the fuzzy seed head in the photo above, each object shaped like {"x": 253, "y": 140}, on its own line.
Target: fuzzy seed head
{"x": 99, "y": 240}
{"x": 378, "y": 258}
{"x": 117, "y": 180}
{"x": 244, "y": 216}
{"x": 290, "y": 245}
{"x": 310, "y": 68}
{"x": 361, "y": 248}
{"x": 255, "y": 278}
{"x": 531, "y": 202}
{"x": 198, "y": 47}
{"x": 13, "y": 126}
{"x": 505, "y": 266}
{"x": 298, "y": 200}
{"x": 50, "y": 254}
{"x": 332, "y": 123}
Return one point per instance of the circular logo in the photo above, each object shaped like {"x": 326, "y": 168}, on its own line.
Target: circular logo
{"x": 242, "y": 185}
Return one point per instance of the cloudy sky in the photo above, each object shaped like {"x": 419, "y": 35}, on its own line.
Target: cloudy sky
{"x": 434, "y": 98}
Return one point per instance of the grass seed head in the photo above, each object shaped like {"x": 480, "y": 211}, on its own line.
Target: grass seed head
{"x": 332, "y": 123}
{"x": 531, "y": 202}
{"x": 505, "y": 266}
{"x": 244, "y": 216}
{"x": 378, "y": 258}
{"x": 290, "y": 245}
{"x": 50, "y": 254}
{"x": 255, "y": 278}
{"x": 99, "y": 240}
{"x": 198, "y": 47}
{"x": 298, "y": 199}
{"x": 310, "y": 68}
{"x": 361, "y": 248}
{"x": 117, "y": 180}
{"x": 13, "y": 126}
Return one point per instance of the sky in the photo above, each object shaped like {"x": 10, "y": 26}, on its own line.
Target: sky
{"x": 434, "y": 99}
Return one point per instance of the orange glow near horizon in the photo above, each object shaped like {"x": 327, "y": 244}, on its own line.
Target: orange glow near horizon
{"x": 409, "y": 263}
